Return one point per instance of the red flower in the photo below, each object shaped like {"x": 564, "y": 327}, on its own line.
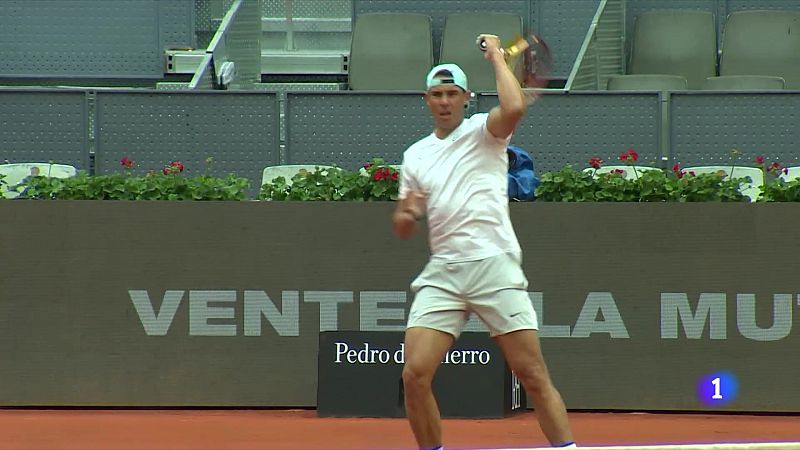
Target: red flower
{"x": 167, "y": 171}
{"x": 367, "y": 166}
{"x": 775, "y": 167}
{"x": 619, "y": 171}
{"x": 629, "y": 156}
{"x": 596, "y": 163}
{"x": 384, "y": 173}
{"x": 127, "y": 163}
{"x": 759, "y": 160}
{"x": 691, "y": 173}
{"x": 677, "y": 169}
{"x": 177, "y": 165}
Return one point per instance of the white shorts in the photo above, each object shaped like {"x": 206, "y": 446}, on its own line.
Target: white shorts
{"x": 493, "y": 288}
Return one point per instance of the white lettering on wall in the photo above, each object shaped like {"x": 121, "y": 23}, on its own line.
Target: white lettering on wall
{"x": 214, "y": 313}
{"x": 156, "y": 324}
{"x": 710, "y": 308}
{"x": 328, "y": 306}
{"x": 371, "y": 314}
{"x": 285, "y": 322}
{"x": 600, "y": 303}
{"x": 200, "y": 312}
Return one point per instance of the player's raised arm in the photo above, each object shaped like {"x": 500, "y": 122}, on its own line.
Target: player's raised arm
{"x": 504, "y": 118}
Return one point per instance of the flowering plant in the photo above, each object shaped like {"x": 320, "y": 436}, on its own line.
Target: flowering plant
{"x": 376, "y": 181}
{"x": 569, "y": 185}
{"x": 775, "y": 188}
{"x": 169, "y": 184}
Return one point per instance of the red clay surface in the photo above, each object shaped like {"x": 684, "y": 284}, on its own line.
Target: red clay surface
{"x": 295, "y": 430}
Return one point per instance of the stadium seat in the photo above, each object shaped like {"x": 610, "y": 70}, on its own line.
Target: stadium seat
{"x": 762, "y": 43}
{"x": 628, "y": 170}
{"x": 288, "y": 171}
{"x": 792, "y": 173}
{"x": 675, "y": 42}
{"x": 17, "y": 172}
{"x": 744, "y": 83}
{"x": 751, "y": 190}
{"x": 458, "y": 44}
{"x": 390, "y": 52}
{"x": 647, "y": 83}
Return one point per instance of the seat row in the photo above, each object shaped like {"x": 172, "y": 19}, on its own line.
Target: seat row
{"x": 394, "y": 51}
{"x": 677, "y": 50}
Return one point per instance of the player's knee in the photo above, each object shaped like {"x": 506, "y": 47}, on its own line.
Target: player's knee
{"x": 535, "y": 379}
{"x": 416, "y": 379}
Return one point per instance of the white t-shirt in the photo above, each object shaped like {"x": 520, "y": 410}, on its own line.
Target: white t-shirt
{"x": 464, "y": 178}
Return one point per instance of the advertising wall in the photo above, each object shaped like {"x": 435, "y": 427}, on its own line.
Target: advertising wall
{"x": 221, "y": 304}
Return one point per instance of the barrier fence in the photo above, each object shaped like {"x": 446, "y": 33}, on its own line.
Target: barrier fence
{"x": 242, "y": 130}
{"x": 641, "y": 306}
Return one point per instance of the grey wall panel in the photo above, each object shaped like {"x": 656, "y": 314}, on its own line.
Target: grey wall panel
{"x": 308, "y": 8}
{"x": 562, "y": 129}
{"x": 705, "y": 127}
{"x": 176, "y": 23}
{"x": 239, "y": 130}
{"x": 43, "y": 126}
{"x": 205, "y": 13}
{"x": 439, "y": 9}
{"x": 563, "y": 24}
{"x": 744, "y": 5}
{"x": 221, "y": 303}
{"x": 350, "y": 129}
{"x": 88, "y": 38}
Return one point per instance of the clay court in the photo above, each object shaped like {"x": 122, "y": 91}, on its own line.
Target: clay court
{"x": 302, "y": 429}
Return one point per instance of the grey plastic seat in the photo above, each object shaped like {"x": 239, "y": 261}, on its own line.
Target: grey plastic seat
{"x": 288, "y": 171}
{"x": 744, "y": 83}
{"x": 458, "y": 44}
{"x": 647, "y": 83}
{"x": 792, "y": 173}
{"x": 390, "y": 51}
{"x": 762, "y": 43}
{"x": 15, "y": 173}
{"x": 751, "y": 189}
{"x": 676, "y": 42}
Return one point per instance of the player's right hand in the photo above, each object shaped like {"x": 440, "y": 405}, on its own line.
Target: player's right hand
{"x": 415, "y": 205}
{"x": 490, "y": 45}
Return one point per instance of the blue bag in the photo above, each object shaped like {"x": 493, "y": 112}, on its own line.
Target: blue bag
{"x": 522, "y": 179}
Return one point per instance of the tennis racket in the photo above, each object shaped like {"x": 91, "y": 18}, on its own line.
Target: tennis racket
{"x": 535, "y": 57}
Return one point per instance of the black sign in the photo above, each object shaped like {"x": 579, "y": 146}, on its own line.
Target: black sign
{"x": 360, "y": 375}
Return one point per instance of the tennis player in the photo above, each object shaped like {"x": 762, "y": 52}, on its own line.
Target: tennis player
{"x": 457, "y": 178}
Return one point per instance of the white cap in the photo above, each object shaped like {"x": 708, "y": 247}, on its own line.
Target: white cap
{"x": 458, "y": 77}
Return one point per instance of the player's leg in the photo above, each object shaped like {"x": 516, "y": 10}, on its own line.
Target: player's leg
{"x": 424, "y": 350}
{"x": 434, "y": 322}
{"x": 523, "y": 354}
{"x": 501, "y": 300}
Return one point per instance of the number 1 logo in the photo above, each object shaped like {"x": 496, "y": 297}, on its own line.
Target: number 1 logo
{"x": 717, "y": 389}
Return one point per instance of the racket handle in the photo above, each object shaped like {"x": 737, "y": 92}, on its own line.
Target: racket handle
{"x": 483, "y": 46}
